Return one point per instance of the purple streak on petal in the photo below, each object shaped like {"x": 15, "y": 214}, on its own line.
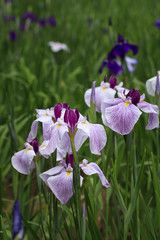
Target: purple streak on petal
{"x": 135, "y": 97}
{"x": 73, "y": 117}
{"x": 93, "y": 95}
{"x": 57, "y": 110}
{"x": 77, "y": 114}
{"x": 113, "y": 81}
{"x": 52, "y": 21}
{"x": 157, "y": 84}
{"x": 17, "y": 226}
{"x": 157, "y": 23}
{"x": 65, "y": 105}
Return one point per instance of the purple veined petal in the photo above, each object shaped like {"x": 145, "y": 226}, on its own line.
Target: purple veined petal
{"x": 122, "y": 117}
{"x": 148, "y": 108}
{"x": 153, "y": 121}
{"x": 62, "y": 185}
{"x": 47, "y": 130}
{"x": 93, "y": 94}
{"x": 87, "y": 97}
{"x": 33, "y": 133}
{"x": 109, "y": 103}
{"x": 151, "y": 86}
{"x": 79, "y": 139}
{"x": 51, "y": 172}
{"x": 131, "y": 62}
{"x": 92, "y": 168}
{"x": 98, "y": 138}
{"x": 42, "y": 148}
{"x": 20, "y": 164}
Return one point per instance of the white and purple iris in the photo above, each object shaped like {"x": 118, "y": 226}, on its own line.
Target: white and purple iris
{"x": 121, "y": 114}
{"x": 106, "y": 90}
{"x": 60, "y": 178}
{"x": 61, "y": 121}
{"x": 23, "y": 161}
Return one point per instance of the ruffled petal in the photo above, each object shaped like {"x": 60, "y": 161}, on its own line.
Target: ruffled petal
{"x": 148, "y": 108}
{"x": 121, "y": 118}
{"x": 153, "y": 121}
{"x": 92, "y": 168}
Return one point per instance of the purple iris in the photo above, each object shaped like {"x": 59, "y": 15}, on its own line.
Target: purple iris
{"x": 35, "y": 145}
{"x": 60, "y": 178}
{"x": 17, "y": 227}
{"x": 42, "y": 22}
{"x": 121, "y": 114}
{"x": 13, "y": 35}
{"x": 29, "y": 15}
{"x": 157, "y": 23}
{"x": 117, "y": 55}
{"x": 71, "y": 118}
{"x": 52, "y": 21}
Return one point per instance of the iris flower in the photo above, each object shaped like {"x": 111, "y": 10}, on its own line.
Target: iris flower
{"x": 104, "y": 91}
{"x": 60, "y": 178}
{"x": 23, "y": 160}
{"x": 57, "y": 46}
{"x": 17, "y": 226}
{"x": 121, "y": 114}
{"x": 157, "y": 23}
{"x": 117, "y": 56}
{"x": 59, "y": 122}
{"x": 153, "y": 85}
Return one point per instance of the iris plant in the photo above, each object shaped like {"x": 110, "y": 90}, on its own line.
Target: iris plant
{"x": 104, "y": 91}
{"x": 117, "y": 56}
{"x": 121, "y": 114}
{"x": 60, "y": 178}
{"x": 157, "y": 23}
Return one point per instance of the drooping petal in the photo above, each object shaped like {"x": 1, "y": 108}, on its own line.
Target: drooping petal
{"x": 62, "y": 185}
{"x": 153, "y": 121}
{"x": 20, "y": 163}
{"x": 97, "y": 136}
{"x": 122, "y": 117}
{"x": 92, "y": 168}
{"x": 51, "y": 172}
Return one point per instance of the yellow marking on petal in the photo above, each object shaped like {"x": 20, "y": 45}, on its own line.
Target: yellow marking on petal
{"x": 88, "y": 165}
{"x": 86, "y": 123}
{"x": 43, "y": 146}
{"x": 58, "y": 126}
{"x": 68, "y": 173}
{"x": 104, "y": 88}
{"x": 126, "y": 104}
{"x": 27, "y": 150}
{"x": 45, "y": 115}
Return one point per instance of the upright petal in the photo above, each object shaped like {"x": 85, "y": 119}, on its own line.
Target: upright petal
{"x": 92, "y": 168}
{"x": 151, "y": 86}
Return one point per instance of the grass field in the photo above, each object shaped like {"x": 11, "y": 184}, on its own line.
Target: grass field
{"x": 32, "y": 76}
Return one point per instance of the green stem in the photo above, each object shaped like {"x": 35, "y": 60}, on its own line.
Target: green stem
{"x": 76, "y": 186}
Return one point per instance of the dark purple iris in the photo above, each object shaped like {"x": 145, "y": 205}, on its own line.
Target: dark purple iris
{"x": 13, "y": 36}
{"x": 157, "y": 23}
{"x": 71, "y": 117}
{"x": 29, "y": 15}
{"x": 17, "y": 226}
{"x": 52, "y": 21}
{"x": 35, "y": 145}
{"x": 112, "y": 81}
{"x": 42, "y": 22}
{"x": 134, "y": 95}
{"x": 123, "y": 47}
{"x": 120, "y": 50}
